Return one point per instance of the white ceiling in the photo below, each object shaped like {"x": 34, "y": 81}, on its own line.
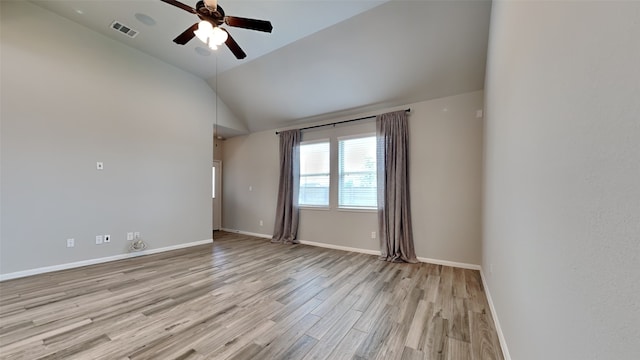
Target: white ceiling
{"x": 324, "y": 57}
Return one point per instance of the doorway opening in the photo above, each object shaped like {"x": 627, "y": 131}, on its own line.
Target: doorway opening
{"x": 216, "y": 194}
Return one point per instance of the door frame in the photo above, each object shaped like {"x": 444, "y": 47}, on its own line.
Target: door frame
{"x": 216, "y": 204}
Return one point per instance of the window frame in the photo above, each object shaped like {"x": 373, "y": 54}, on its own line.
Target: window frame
{"x": 300, "y": 175}
{"x": 339, "y": 174}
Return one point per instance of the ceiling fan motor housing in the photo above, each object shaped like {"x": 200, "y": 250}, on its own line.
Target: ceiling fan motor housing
{"x": 206, "y": 12}
{"x": 211, "y": 4}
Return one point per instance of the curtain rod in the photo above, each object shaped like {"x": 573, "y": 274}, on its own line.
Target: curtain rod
{"x": 339, "y": 122}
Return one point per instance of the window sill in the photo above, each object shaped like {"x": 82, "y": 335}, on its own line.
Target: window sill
{"x": 321, "y": 208}
{"x": 355, "y": 209}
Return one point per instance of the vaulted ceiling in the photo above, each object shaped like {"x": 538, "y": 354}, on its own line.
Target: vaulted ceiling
{"x": 324, "y": 58}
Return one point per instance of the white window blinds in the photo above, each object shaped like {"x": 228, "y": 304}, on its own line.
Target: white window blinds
{"x": 357, "y": 172}
{"x": 314, "y": 173}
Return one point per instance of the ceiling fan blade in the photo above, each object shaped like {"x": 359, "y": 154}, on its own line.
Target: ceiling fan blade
{"x": 181, "y": 6}
{"x": 186, "y": 35}
{"x": 234, "y": 47}
{"x": 252, "y": 24}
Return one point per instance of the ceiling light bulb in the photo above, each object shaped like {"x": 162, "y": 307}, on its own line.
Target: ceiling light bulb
{"x": 204, "y": 31}
{"x": 212, "y": 45}
{"x": 219, "y": 36}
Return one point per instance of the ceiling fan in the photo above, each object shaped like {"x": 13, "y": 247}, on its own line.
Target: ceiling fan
{"x": 208, "y": 29}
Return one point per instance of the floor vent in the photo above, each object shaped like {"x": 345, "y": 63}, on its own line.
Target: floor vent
{"x": 118, "y": 26}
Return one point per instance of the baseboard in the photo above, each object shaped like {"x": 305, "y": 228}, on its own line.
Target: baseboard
{"x": 339, "y": 247}
{"x": 48, "y": 269}
{"x": 363, "y": 251}
{"x": 449, "y": 263}
{"x": 377, "y": 252}
{"x": 496, "y": 322}
{"x": 266, "y": 236}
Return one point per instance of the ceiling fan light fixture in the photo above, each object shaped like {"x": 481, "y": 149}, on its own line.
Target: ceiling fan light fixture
{"x": 211, "y": 35}
{"x": 204, "y": 31}
{"x": 218, "y": 36}
{"x": 208, "y": 11}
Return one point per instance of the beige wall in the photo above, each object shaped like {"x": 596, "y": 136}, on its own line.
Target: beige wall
{"x": 562, "y": 195}
{"x": 250, "y": 161}
{"x": 71, "y": 97}
{"x": 445, "y": 174}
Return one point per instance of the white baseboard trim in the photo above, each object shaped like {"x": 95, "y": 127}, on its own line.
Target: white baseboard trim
{"x": 266, "y": 236}
{"x": 363, "y": 251}
{"x": 339, "y": 247}
{"x": 377, "y": 253}
{"x": 48, "y": 269}
{"x": 449, "y": 263}
{"x": 496, "y": 322}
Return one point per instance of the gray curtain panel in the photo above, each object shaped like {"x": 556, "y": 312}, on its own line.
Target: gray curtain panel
{"x": 394, "y": 210}
{"x": 286, "y": 224}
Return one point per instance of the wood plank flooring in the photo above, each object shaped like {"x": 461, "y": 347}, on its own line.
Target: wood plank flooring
{"x": 244, "y": 298}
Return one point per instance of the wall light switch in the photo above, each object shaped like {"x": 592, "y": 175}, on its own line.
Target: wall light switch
{"x": 99, "y": 165}
{"x": 71, "y": 243}
{"x": 129, "y": 236}
{"x": 98, "y": 239}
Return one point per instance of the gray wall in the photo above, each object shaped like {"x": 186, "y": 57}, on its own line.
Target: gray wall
{"x": 445, "y": 170}
{"x": 70, "y": 98}
{"x": 562, "y": 196}
{"x": 218, "y": 149}
{"x": 250, "y": 161}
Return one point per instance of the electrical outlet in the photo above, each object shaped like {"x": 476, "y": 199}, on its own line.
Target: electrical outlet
{"x": 107, "y": 238}
{"x": 98, "y": 239}
{"x": 99, "y": 165}
{"x": 71, "y": 243}
{"x": 373, "y": 234}
{"x": 136, "y": 235}
{"x": 129, "y": 236}
{"x": 261, "y": 223}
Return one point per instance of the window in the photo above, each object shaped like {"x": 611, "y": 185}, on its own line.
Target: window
{"x": 357, "y": 172}
{"x": 314, "y": 174}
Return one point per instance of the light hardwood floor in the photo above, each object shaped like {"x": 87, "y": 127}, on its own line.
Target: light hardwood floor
{"x": 244, "y": 298}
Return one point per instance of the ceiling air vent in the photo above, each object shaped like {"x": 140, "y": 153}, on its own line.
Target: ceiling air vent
{"x": 118, "y": 26}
